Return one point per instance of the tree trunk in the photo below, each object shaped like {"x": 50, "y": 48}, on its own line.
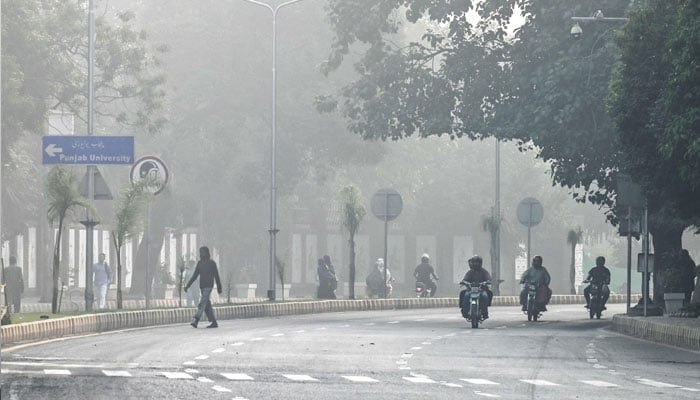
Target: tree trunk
{"x": 667, "y": 238}
{"x": 351, "y": 284}
{"x": 159, "y": 216}
{"x": 56, "y": 266}
{"x": 572, "y": 271}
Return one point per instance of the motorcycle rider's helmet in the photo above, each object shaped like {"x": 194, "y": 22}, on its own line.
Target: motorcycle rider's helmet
{"x": 475, "y": 262}
{"x": 425, "y": 257}
{"x": 537, "y": 261}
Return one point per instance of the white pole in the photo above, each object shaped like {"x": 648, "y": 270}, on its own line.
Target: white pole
{"x": 273, "y": 162}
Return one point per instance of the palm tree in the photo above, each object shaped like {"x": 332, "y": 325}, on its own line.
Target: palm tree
{"x": 63, "y": 196}
{"x": 573, "y": 238}
{"x": 353, "y": 212}
{"x": 126, "y": 221}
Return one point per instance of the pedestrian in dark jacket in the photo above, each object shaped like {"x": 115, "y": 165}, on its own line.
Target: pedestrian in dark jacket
{"x": 688, "y": 274}
{"x": 15, "y": 284}
{"x": 207, "y": 272}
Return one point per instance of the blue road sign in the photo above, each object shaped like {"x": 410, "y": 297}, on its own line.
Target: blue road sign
{"x": 92, "y": 150}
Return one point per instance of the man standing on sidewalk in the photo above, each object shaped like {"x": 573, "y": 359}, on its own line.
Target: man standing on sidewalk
{"x": 207, "y": 272}
{"x": 103, "y": 277}
{"x": 15, "y": 285}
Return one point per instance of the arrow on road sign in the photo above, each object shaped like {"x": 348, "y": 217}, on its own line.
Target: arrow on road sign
{"x": 52, "y": 150}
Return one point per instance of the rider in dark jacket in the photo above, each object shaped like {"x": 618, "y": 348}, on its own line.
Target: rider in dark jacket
{"x": 475, "y": 275}
{"x": 424, "y": 272}
{"x": 599, "y": 275}
{"x": 539, "y": 275}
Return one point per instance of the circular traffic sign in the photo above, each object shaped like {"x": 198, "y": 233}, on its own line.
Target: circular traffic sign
{"x": 530, "y": 211}
{"x": 386, "y": 204}
{"x": 153, "y": 167}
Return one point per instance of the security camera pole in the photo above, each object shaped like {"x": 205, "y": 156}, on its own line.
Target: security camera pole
{"x": 598, "y": 16}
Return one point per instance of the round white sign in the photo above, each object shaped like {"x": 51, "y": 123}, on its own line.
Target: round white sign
{"x": 153, "y": 167}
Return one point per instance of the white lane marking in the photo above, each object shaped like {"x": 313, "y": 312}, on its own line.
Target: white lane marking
{"x": 344, "y": 326}
{"x": 299, "y": 378}
{"x": 426, "y": 343}
{"x": 204, "y": 379}
{"x": 257, "y": 339}
{"x": 649, "y": 382}
{"x": 690, "y": 389}
{"x": 237, "y": 344}
{"x": 277, "y": 335}
{"x": 600, "y": 383}
{"x": 360, "y": 379}
{"x": 404, "y": 367}
{"x": 419, "y": 379}
{"x": 219, "y": 350}
{"x": 454, "y": 385}
{"x": 406, "y": 355}
{"x": 450, "y": 334}
{"x": 393, "y": 322}
{"x": 237, "y": 377}
{"x": 202, "y": 357}
{"x": 116, "y": 373}
{"x": 599, "y": 366}
{"x": 370, "y": 324}
{"x": 176, "y": 375}
{"x": 416, "y": 348}
{"x": 539, "y": 382}
{"x": 17, "y": 371}
{"x": 480, "y": 381}
{"x": 239, "y": 398}
{"x": 191, "y": 371}
{"x": 592, "y": 360}
{"x": 490, "y": 395}
{"x": 300, "y": 331}
{"x": 221, "y": 389}
{"x": 189, "y": 363}
{"x": 401, "y": 362}
{"x": 420, "y": 320}
{"x": 56, "y": 372}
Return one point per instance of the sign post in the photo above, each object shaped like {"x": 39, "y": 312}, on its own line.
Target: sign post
{"x": 89, "y": 150}
{"x": 386, "y": 205}
{"x": 530, "y": 213}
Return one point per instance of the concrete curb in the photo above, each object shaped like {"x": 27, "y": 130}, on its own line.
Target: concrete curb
{"x": 104, "y": 322}
{"x": 652, "y": 329}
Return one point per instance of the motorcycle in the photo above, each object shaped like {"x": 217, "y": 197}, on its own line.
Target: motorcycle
{"x": 595, "y": 306}
{"x": 471, "y": 302}
{"x": 422, "y": 290}
{"x": 535, "y": 305}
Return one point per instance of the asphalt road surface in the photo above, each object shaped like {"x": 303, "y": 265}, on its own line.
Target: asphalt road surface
{"x": 400, "y": 354}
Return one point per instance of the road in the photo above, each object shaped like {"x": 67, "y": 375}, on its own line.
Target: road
{"x": 401, "y": 354}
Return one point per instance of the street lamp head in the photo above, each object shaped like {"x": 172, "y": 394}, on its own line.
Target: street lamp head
{"x": 576, "y": 31}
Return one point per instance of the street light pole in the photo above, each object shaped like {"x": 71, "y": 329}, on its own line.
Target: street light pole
{"x": 273, "y": 144}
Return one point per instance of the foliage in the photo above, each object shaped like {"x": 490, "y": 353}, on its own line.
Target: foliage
{"x": 163, "y": 275}
{"x": 352, "y": 214}
{"x": 62, "y": 198}
{"x": 127, "y": 219}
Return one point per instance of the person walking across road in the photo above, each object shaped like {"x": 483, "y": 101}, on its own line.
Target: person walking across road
{"x": 14, "y": 285}
{"x": 208, "y": 273}
{"x": 102, "y": 278}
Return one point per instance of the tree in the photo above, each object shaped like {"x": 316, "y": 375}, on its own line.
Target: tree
{"x": 573, "y": 238}
{"x": 352, "y": 214}
{"x": 653, "y": 114}
{"x": 63, "y": 197}
{"x": 127, "y": 221}
{"x": 467, "y": 77}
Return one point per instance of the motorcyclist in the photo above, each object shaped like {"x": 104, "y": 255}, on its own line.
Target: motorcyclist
{"x": 476, "y": 275}
{"x": 376, "y": 277}
{"x": 424, "y": 272}
{"x": 538, "y": 275}
{"x": 600, "y": 275}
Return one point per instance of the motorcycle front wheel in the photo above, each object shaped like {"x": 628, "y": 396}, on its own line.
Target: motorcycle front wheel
{"x": 475, "y": 315}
